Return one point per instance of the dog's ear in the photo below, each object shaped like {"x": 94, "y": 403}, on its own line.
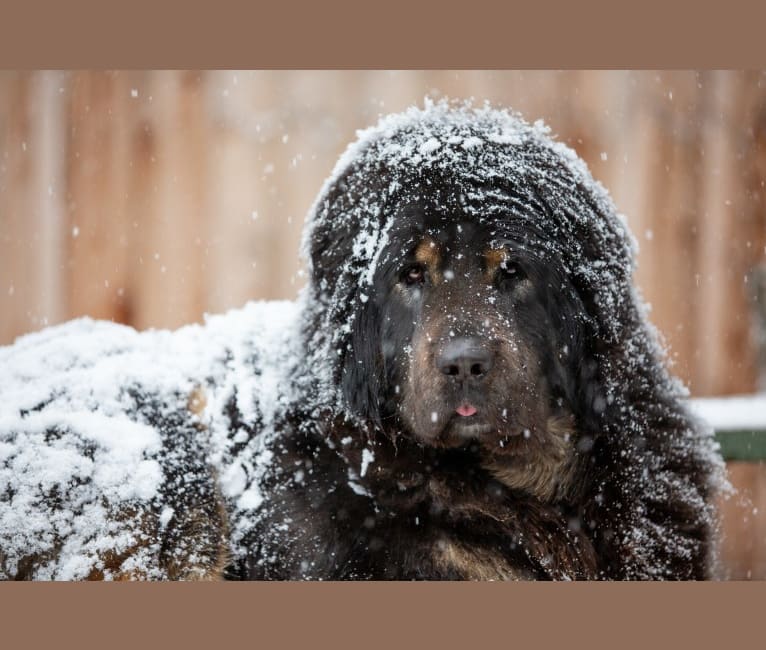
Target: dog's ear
{"x": 574, "y": 372}
{"x": 362, "y": 368}
{"x": 330, "y": 245}
{"x": 585, "y": 369}
{"x": 591, "y": 394}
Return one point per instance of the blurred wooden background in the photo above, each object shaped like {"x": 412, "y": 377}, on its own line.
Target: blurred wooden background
{"x": 152, "y": 197}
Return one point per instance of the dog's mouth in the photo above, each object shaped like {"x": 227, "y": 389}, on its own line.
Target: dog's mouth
{"x": 473, "y": 422}
{"x": 467, "y": 419}
{"x": 467, "y": 423}
{"x": 466, "y": 410}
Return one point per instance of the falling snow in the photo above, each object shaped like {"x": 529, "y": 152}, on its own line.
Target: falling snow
{"x": 77, "y": 434}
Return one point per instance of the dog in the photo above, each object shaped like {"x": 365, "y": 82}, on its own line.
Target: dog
{"x": 466, "y": 389}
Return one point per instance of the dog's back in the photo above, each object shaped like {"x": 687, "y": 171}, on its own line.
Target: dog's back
{"x": 132, "y": 455}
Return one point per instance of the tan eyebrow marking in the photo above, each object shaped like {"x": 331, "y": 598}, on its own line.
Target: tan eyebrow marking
{"x": 428, "y": 254}
{"x": 494, "y": 258}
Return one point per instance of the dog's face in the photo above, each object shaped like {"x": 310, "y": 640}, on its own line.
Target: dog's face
{"x": 475, "y": 345}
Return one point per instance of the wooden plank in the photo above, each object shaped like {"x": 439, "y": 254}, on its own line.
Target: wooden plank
{"x": 731, "y": 224}
{"x": 31, "y": 203}
{"x": 725, "y": 360}
{"x": 743, "y": 523}
{"x": 167, "y": 204}
{"x": 239, "y": 254}
{"x": 98, "y": 172}
{"x": 250, "y": 189}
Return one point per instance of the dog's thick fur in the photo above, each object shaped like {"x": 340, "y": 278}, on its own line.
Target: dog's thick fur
{"x": 444, "y": 233}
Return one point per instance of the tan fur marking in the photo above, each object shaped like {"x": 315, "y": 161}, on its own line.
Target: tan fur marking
{"x": 199, "y": 525}
{"x": 223, "y": 555}
{"x": 427, "y": 253}
{"x": 549, "y": 476}
{"x": 197, "y": 401}
{"x": 126, "y": 576}
{"x": 138, "y": 521}
{"x": 209, "y": 551}
{"x": 479, "y": 564}
{"x": 494, "y": 258}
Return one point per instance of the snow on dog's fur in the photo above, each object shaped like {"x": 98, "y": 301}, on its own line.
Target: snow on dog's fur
{"x": 467, "y": 388}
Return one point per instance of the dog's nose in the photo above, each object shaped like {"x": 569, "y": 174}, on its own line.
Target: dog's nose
{"x": 465, "y": 358}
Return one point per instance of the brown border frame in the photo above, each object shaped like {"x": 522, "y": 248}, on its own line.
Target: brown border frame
{"x": 376, "y": 34}
{"x": 588, "y": 33}
{"x": 383, "y": 615}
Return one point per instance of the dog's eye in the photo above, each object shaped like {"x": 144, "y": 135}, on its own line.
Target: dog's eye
{"x": 413, "y": 274}
{"x": 509, "y": 274}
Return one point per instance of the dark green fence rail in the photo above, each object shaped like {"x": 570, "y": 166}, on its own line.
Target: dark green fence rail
{"x": 743, "y": 445}
{"x": 739, "y": 422}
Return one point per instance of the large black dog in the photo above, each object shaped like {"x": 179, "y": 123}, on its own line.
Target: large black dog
{"x": 467, "y": 389}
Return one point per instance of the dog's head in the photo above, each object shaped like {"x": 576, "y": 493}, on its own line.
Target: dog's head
{"x": 462, "y": 262}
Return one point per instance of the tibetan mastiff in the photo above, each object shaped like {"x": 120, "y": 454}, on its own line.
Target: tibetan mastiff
{"x": 467, "y": 388}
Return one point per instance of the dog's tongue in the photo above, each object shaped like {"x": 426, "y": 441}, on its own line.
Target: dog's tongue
{"x": 465, "y": 410}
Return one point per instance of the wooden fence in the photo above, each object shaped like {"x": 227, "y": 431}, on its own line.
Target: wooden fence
{"x": 153, "y": 197}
